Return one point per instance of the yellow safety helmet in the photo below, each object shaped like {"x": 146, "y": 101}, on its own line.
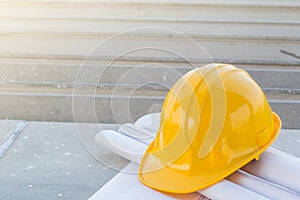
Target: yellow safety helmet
{"x": 214, "y": 120}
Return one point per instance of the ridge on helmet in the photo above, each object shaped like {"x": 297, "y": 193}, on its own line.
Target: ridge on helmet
{"x": 214, "y": 120}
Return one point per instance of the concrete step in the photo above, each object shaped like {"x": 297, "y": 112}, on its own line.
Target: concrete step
{"x": 134, "y": 74}
{"x": 204, "y": 9}
{"x": 161, "y": 48}
{"x": 111, "y": 104}
{"x": 106, "y": 27}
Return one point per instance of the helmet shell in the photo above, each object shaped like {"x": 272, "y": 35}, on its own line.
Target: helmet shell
{"x": 214, "y": 120}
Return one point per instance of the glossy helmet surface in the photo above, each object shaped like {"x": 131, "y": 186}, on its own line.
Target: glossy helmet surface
{"x": 214, "y": 120}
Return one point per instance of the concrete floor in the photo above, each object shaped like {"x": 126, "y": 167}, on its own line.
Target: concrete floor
{"x": 48, "y": 161}
{"x": 52, "y": 160}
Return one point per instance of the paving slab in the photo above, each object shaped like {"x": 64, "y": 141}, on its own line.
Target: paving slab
{"x": 288, "y": 141}
{"x": 48, "y": 161}
{"x": 6, "y": 126}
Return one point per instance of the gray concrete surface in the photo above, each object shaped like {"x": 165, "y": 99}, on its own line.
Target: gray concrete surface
{"x": 6, "y": 126}
{"x": 288, "y": 141}
{"x": 51, "y": 161}
{"x": 48, "y": 161}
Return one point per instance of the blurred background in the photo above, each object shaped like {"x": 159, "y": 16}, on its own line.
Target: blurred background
{"x": 46, "y": 45}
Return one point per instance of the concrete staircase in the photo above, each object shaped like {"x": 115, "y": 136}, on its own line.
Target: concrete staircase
{"x": 113, "y": 61}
